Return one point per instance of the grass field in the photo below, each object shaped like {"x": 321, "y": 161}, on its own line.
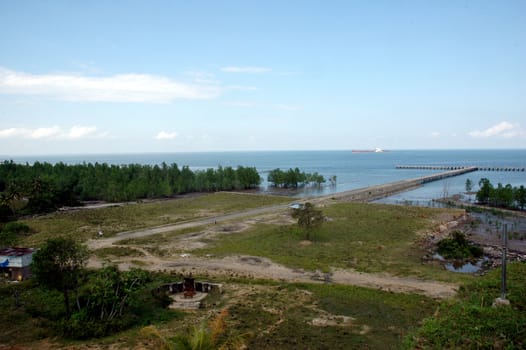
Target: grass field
{"x": 365, "y": 237}
{"x": 84, "y": 224}
{"x": 308, "y": 316}
{"x": 264, "y": 314}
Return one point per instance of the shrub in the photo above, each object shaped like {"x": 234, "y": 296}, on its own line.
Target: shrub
{"x": 10, "y": 234}
{"x": 458, "y": 247}
{"x": 81, "y": 326}
{"x": 16, "y": 227}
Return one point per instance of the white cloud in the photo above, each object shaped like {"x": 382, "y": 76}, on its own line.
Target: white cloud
{"x": 203, "y": 78}
{"x": 78, "y": 132}
{"x": 44, "y": 133}
{"x": 163, "y": 135}
{"x": 503, "y": 129}
{"x": 253, "y": 70}
{"x": 54, "y": 132}
{"x": 115, "y": 88}
{"x": 11, "y": 132}
{"x": 435, "y": 134}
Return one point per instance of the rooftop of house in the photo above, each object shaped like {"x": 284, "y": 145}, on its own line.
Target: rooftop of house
{"x": 16, "y": 251}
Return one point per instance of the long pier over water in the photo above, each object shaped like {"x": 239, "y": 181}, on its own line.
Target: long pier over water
{"x": 456, "y": 167}
{"x": 371, "y": 193}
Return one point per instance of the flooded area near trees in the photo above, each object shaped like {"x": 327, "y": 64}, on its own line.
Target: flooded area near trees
{"x": 484, "y": 226}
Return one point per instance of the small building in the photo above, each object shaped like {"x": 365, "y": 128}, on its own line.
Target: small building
{"x": 15, "y": 263}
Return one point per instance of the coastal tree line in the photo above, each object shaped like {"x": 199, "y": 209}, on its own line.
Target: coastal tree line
{"x": 503, "y": 196}
{"x": 293, "y": 178}
{"x": 44, "y": 187}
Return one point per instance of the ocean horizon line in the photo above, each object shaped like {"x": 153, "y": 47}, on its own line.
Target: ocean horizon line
{"x": 3, "y": 156}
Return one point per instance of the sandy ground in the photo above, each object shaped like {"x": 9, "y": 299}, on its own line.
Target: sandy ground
{"x": 252, "y": 266}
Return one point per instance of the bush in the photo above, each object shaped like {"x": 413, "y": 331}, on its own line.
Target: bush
{"x": 81, "y": 326}
{"x": 44, "y": 303}
{"x": 8, "y": 239}
{"x": 10, "y": 234}
{"x": 16, "y": 227}
{"x": 458, "y": 247}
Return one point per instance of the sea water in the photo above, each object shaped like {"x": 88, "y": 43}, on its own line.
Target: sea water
{"x": 352, "y": 170}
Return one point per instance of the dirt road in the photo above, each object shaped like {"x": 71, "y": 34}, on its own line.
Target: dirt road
{"x": 106, "y": 242}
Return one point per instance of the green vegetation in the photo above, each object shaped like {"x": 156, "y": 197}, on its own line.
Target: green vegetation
{"x": 293, "y": 178}
{"x": 325, "y": 317}
{"x": 456, "y": 246}
{"x": 117, "y": 306}
{"x": 77, "y": 303}
{"x": 388, "y": 317}
{"x": 47, "y": 186}
{"x": 203, "y": 337}
{"x": 366, "y": 237}
{"x": 259, "y": 314}
{"x": 59, "y": 265}
{"x": 472, "y": 323}
{"x": 309, "y": 218}
{"x": 104, "y": 303}
{"x": 30, "y": 312}
{"x": 501, "y": 196}
{"x": 84, "y": 224}
{"x": 277, "y": 316}
{"x": 12, "y": 233}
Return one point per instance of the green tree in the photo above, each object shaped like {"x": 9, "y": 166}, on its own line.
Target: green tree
{"x": 276, "y": 177}
{"x": 110, "y": 292}
{"x": 520, "y": 196}
{"x": 316, "y": 178}
{"x": 485, "y": 191}
{"x": 59, "y": 265}
{"x": 504, "y": 195}
{"x": 309, "y": 218}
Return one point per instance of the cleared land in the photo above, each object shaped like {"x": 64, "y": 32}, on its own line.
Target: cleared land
{"x": 359, "y": 283}
{"x": 361, "y": 244}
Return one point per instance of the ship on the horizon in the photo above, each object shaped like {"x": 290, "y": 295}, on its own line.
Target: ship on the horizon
{"x": 376, "y": 150}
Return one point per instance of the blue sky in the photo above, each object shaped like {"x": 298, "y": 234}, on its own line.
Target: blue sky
{"x": 184, "y": 76}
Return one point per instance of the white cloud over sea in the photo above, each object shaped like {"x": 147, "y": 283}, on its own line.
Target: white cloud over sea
{"x": 163, "y": 135}
{"x": 129, "y": 87}
{"x": 503, "y": 129}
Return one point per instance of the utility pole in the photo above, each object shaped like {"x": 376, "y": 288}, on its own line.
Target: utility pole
{"x": 502, "y": 301}
{"x": 504, "y": 254}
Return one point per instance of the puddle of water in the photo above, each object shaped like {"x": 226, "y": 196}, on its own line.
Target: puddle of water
{"x": 461, "y": 266}
{"x": 466, "y": 267}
